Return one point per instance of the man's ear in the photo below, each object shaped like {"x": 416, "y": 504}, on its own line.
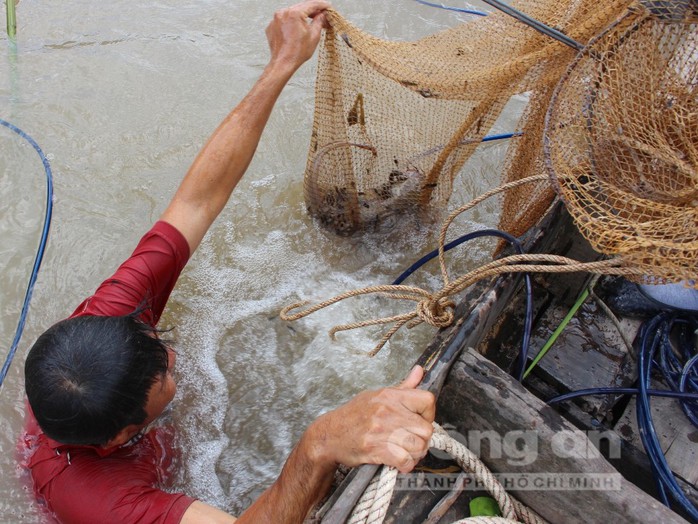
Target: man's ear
{"x": 123, "y": 436}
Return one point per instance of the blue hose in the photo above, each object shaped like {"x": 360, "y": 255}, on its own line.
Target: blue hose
{"x": 653, "y": 333}
{"x": 449, "y": 8}
{"x": 39, "y": 253}
{"x": 623, "y": 391}
{"x": 679, "y": 368}
{"x": 502, "y": 136}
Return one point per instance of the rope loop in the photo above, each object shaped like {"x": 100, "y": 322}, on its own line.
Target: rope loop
{"x": 437, "y": 312}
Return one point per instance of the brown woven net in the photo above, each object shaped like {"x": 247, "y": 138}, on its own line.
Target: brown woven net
{"x": 622, "y": 140}
{"x": 396, "y": 121}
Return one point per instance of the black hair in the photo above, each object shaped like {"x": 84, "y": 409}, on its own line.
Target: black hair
{"x": 88, "y": 377}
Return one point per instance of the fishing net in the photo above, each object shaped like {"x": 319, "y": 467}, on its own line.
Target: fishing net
{"x": 395, "y": 121}
{"x": 622, "y": 140}
{"x": 611, "y": 128}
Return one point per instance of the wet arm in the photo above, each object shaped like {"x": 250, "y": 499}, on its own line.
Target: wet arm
{"x": 391, "y": 426}
{"x": 223, "y": 160}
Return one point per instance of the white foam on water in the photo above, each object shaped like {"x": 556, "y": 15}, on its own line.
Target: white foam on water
{"x": 251, "y": 383}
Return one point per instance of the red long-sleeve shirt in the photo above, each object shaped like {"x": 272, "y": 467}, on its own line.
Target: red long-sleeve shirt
{"x": 86, "y": 484}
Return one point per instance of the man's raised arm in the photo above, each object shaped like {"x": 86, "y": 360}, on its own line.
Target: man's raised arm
{"x": 221, "y": 163}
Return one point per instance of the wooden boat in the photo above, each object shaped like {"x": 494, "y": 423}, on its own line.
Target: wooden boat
{"x": 469, "y": 366}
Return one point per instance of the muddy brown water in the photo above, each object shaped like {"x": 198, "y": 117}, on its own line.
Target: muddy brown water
{"x": 120, "y": 96}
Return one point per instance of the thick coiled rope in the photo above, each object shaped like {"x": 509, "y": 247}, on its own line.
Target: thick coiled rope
{"x": 373, "y": 504}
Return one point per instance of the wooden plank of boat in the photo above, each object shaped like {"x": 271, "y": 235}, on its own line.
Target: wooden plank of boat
{"x": 676, "y": 434}
{"x": 479, "y": 397}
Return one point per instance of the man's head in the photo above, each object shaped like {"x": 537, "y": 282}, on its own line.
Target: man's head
{"x": 98, "y": 380}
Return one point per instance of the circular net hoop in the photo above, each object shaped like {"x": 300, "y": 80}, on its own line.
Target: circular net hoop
{"x": 621, "y": 141}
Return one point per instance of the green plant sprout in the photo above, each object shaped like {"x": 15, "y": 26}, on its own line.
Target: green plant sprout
{"x": 11, "y": 19}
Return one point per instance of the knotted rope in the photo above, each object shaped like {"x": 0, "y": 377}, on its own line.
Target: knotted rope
{"x": 373, "y": 504}
{"x": 437, "y": 309}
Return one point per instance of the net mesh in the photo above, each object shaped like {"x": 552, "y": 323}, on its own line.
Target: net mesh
{"x": 622, "y": 140}
{"x": 395, "y": 122}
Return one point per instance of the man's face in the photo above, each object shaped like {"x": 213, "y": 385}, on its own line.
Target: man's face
{"x": 160, "y": 395}
{"x": 161, "y": 392}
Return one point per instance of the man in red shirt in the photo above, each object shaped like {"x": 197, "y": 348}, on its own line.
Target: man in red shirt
{"x": 97, "y": 380}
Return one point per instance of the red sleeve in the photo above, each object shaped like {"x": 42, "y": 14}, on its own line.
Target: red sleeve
{"x": 112, "y": 494}
{"x": 145, "y": 280}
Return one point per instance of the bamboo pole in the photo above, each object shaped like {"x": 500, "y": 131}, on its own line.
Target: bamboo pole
{"x": 11, "y": 19}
